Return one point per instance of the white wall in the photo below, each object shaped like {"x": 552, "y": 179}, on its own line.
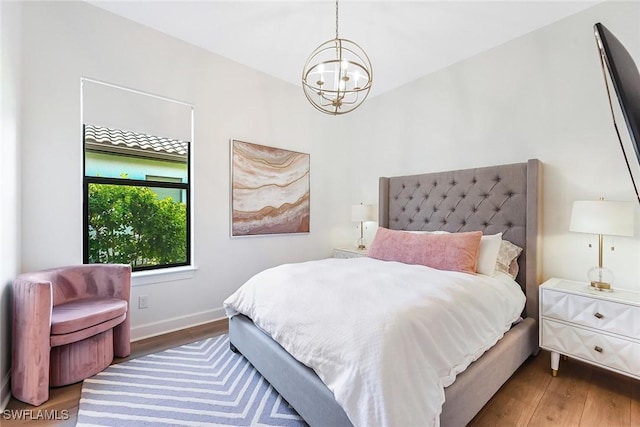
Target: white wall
{"x": 63, "y": 41}
{"x": 9, "y": 179}
{"x": 539, "y": 96}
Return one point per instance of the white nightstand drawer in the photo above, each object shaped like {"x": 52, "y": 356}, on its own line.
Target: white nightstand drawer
{"x": 605, "y": 350}
{"x": 349, "y": 253}
{"x": 603, "y": 315}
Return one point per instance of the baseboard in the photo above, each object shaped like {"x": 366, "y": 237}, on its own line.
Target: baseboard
{"x": 5, "y": 391}
{"x": 175, "y": 324}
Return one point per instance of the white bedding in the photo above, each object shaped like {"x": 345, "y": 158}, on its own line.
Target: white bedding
{"x": 385, "y": 337}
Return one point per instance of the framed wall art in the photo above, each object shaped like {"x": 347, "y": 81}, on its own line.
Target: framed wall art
{"x": 269, "y": 190}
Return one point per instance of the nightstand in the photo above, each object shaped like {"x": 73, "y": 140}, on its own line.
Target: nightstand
{"x": 596, "y": 327}
{"x": 349, "y": 252}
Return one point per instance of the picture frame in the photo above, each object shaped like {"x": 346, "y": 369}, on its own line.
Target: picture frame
{"x": 270, "y": 190}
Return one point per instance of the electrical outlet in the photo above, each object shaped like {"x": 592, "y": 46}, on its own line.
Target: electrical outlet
{"x": 143, "y": 301}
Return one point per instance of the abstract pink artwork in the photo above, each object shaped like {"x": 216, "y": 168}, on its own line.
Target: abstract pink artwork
{"x": 269, "y": 190}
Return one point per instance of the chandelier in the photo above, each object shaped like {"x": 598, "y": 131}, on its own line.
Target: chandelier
{"x": 337, "y": 77}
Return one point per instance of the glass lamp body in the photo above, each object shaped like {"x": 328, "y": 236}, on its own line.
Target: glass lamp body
{"x": 337, "y": 77}
{"x": 601, "y": 278}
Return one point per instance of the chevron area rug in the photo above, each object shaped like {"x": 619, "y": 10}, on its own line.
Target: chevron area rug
{"x": 198, "y": 384}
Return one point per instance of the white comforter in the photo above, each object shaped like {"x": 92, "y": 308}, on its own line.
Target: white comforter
{"x": 385, "y": 337}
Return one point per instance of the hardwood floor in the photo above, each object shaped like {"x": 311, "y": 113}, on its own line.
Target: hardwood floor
{"x": 581, "y": 395}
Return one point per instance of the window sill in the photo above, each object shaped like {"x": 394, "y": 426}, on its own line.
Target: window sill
{"x": 148, "y": 277}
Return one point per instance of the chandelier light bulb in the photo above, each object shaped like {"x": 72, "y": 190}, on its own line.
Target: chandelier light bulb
{"x": 356, "y": 77}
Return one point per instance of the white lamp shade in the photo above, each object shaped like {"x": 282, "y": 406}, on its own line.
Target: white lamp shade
{"x": 362, "y": 213}
{"x": 602, "y": 217}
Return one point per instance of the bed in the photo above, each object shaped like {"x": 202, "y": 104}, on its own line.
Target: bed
{"x": 498, "y": 199}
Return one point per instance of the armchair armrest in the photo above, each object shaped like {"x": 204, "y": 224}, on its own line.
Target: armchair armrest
{"x": 32, "y": 305}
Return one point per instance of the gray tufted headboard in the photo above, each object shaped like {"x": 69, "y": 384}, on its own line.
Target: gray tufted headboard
{"x": 492, "y": 199}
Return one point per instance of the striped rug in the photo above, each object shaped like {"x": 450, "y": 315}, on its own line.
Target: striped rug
{"x": 198, "y": 384}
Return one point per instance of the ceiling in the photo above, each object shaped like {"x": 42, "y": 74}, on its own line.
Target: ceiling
{"x": 404, "y": 39}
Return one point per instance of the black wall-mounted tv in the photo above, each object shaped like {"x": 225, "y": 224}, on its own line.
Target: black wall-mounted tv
{"x": 621, "y": 70}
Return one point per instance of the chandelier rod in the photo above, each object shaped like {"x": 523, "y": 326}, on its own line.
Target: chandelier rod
{"x": 337, "y": 19}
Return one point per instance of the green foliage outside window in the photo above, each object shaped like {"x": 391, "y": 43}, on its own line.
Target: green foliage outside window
{"x": 130, "y": 225}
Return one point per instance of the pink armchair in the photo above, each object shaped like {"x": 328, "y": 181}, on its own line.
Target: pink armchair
{"x": 68, "y": 323}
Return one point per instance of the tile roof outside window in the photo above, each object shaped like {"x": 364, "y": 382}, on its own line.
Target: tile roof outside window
{"x": 108, "y": 137}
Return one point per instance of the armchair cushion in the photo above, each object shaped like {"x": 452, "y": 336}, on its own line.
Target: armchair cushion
{"x": 83, "y": 313}
{"x": 61, "y": 340}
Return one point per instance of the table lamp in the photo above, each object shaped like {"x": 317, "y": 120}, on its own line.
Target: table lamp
{"x": 361, "y": 213}
{"x": 602, "y": 217}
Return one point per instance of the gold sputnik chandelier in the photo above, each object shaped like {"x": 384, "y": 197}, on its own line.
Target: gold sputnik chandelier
{"x": 337, "y": 77}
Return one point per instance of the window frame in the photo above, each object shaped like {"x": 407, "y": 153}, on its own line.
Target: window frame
{"x": 186, "y": 186}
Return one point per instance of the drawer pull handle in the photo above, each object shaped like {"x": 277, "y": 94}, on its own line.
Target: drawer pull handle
{"x": 598, "y": 349}
{"x": 598, "y": 315}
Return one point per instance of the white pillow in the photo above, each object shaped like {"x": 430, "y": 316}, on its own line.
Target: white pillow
{"x": 488, "y": 253}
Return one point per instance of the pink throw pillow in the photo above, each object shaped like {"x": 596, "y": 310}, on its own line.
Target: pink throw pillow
{"x": 454, "y": 251}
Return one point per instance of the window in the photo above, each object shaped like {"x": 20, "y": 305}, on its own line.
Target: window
{"x": 174, "y": 194}
{"x": 137, "y": 190}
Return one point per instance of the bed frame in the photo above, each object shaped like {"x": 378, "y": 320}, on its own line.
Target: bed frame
{"x": 493, "y": 199}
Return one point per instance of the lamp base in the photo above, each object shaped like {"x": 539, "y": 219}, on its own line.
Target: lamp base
{"x": 602, "y": 286}
{"x": 361, "y": 244}
{"x": 601, "y": 278}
